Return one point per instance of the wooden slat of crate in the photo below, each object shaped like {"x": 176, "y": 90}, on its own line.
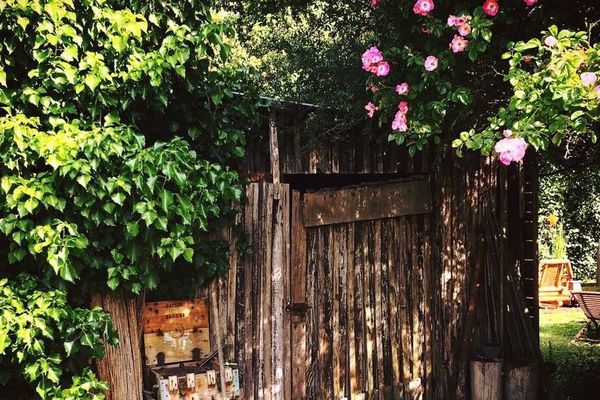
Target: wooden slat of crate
{"x": 176, "y": 346}
{"x": 167, "y": 316}
{"x": 202, "y": 390}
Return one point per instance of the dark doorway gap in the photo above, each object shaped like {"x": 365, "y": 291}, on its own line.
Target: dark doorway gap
{"x": 314, "y": 182}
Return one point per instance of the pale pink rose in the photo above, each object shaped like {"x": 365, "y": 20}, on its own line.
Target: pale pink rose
{"x": 490, "y": 7}
{"x": 403, "y": 107}
{"x": 550, "y": 41}
{"x": 458, "y": 44}
{"x": 423, "y": 7}
{"x": 373, "y": 88}
{"x": 371, "y": 57}
{"x": 383, "y": 68}
{"x": 399, "y": 123}
{"x": 402, "y": 88}
{"x": 371, "y": 108}
{"x": 530, "y": 3}
{"x": 452, "y": 20}
{"x": 507, "y": 133}
{"x": 464, "y": 29}
{"x": 431, "y": 63}
{"x": 374, "y": 3}
{"x": 588, "y": 78}
{"x": 511, "y": 149}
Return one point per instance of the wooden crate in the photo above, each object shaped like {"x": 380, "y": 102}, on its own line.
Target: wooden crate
{"x": 197, "y": 386}
{"x": 176, "y": 331}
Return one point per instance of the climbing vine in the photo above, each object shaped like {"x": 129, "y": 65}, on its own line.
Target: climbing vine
{"x": 117, "y": 129}
{"x": 428, "y": 83}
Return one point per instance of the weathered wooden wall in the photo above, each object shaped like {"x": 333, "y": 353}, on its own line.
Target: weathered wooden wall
{"x": 388, "y": 308}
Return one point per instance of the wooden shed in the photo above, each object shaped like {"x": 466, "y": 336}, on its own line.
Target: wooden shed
{"x": 371, "y": 274}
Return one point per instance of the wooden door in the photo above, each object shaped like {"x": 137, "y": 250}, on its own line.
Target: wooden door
{"x": 359, "y": 308}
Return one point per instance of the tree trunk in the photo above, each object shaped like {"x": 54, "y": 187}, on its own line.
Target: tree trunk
{"x": 122, "y": 366}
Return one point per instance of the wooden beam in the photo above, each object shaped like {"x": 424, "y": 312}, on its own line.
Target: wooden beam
{"x": 367, "y": 203}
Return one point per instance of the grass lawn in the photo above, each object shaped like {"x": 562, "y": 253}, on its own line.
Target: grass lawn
{"x": 574, "y": 367}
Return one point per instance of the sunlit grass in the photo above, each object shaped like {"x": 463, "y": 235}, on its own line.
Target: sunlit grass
{"x": 575, "y": 367}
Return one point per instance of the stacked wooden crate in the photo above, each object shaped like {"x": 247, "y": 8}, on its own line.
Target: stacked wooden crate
{"x": 178, "y": 353}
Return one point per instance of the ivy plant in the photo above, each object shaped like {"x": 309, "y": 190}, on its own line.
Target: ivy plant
{"x": 117, "y": 132}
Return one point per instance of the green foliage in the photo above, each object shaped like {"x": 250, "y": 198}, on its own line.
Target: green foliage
{"x": 573, "y": 368}
{"x": 573, "y": 196}
{"x": 549, "y": 101}
{"x": 117, "y": 129}
{"x": 39, "y": 330}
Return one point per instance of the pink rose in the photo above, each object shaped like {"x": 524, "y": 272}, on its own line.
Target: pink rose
{"x": 403, "y": 107}
{"x": 464, "y": 29}
{"x": 371, "y": 108}
{"x": 511, "y": 149}
{"x": 530, "y": 3}
{"x": 452, "y": 20}
{"x": 370, "y": 57}
{"x": 431, "y": 63}
{"x": 459, "y": 44}
{"x": 490, "y": 7}
{"x": 588, "y": 78}
{"x": 374, "y": 3}
{"x": 507, "y": 133}
{"x": 550, "y": 41}
{"x": 423, "y": 7}
{"x": 402, "y": 88}
{"x": 383, "y": 68}
{"x": 399, "y": 123}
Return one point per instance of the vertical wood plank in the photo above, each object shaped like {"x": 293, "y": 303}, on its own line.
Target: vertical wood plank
{"x": 352, "y": 278}
{"x": 312, "y": 316}
{"x": 368, "y": 305}
{"x": 266, "y": 293}
{"x": 379, "y": 322}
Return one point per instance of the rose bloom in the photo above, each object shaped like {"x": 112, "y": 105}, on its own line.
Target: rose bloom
{"x": 507, "y": 133}
{"x": 370, "y": 57}
{"x": 423, "y": 7}
{"x": 550, "y": 41}
{"x": 490, "y": 7}
{"x": 374, "y": 3}
{"x": 464, "y": 29}
{"x": 459, "y": 44}
{"x": 511, "y": 149}
{"x": 530, "y": 3}
{"x": 431, "y": 63}
{"x": 403, "y": 107}
{"x": 588, "y": 78}
{"x": 402, "y": 88}
{"x": 371, "y": 108}
{"x": 383, "y": 68}
{"x": 399, "y": 123}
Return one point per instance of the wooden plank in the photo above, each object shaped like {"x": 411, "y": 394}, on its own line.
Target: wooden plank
{"x": 274, "y": 148}
{"x": 312, "y": 315}
{"x": 370, "y": 354}
{"x": 394, "y": 301}
{"x": 286, "y": 273}
{"x": 265, "y": 298}
{"x": 298, "y": 296}
{"x": 277, "y": 296}
{"x": 378, "y": 323}
{"x": 176, "y": 315}
{"x": 352, "y": 366}
{"x": 324, "y": 282}
{"x": 250, "y": 218}
{"x": 176, "y": 346}
{"x": 335, "y": 312}
{"x": 367, "y": 203}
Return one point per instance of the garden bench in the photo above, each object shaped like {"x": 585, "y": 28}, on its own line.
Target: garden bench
{"x": 590, "y": 305}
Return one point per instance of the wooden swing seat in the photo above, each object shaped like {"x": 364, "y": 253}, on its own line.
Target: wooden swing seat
{"x": 590, "y": 305}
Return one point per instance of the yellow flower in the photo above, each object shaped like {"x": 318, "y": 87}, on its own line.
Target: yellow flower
{"x": 552, "y": 219}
